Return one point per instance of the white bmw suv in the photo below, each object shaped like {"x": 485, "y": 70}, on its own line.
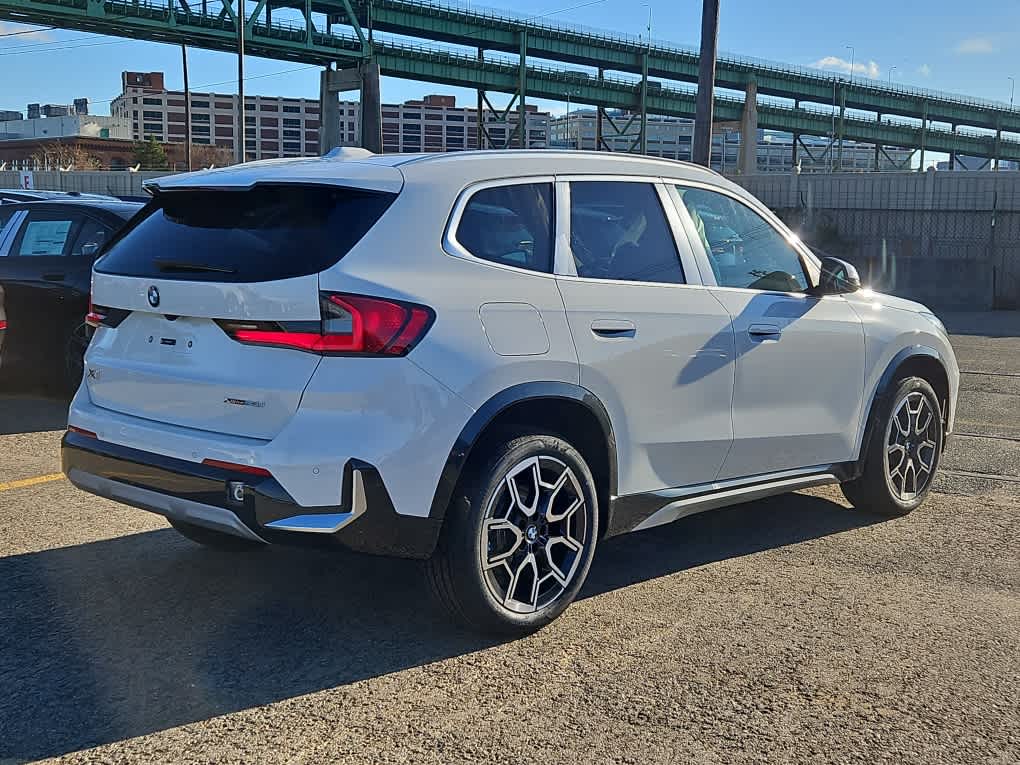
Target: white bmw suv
{"x": 491, "y": 361}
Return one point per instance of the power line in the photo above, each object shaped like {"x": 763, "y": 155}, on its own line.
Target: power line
{"x": 27, "y": 32}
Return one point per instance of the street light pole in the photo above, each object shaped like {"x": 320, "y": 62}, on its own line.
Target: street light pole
{"x": 706, "y": 83}
{"x": 891, "y": 69}
{"x": 852, "y": 52}
{"x": 1012, "y": 89}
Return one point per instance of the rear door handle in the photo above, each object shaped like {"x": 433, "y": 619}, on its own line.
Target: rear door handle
{"x": 54, "y": 277}
{"x": 764, "y": 331}
{"x": 613, "y": 328}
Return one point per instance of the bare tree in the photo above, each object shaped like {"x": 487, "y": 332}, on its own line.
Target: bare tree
{"x": 203, "y": 156}
{"x": 63, "y": 156}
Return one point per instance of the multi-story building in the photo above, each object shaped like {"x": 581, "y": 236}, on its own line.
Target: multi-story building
{"x": 85, "y": 125}
{"x": 436, "y": 123}
{"x": 274, "y": 126}
{"x": 289, "y": 127}
{"x": 672, "y": 137}
{"x": 7, "y": 116}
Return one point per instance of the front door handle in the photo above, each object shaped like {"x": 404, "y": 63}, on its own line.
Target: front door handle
{"x": 54, "y": 277}
{"x": 613, "y": 328}
{"x": 765, "y": 331}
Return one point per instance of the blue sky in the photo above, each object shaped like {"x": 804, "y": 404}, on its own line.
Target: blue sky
{"x": 946, "y": 46}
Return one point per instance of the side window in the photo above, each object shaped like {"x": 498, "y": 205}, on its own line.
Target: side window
{"x": 513, "y": 225}
{"x": 91, "y": 237}
{"x": 743, "y": 248}
{"x": 618, "y": 230}
{"x": 45, "y": 233}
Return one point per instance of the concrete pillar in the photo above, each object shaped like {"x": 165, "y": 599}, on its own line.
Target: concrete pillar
{"x": 747, "y": 163}
{"x": 878, "y": 147}
{"x": 331, "y": 84}
{"x": 793, "y": 151}
{"x": 952, "y": 154}
{"x": 329, "y": 112}
{"x": 371, "y": 108}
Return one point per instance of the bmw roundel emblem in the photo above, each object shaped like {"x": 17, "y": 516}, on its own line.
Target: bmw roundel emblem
{"x": 154, "y": 296}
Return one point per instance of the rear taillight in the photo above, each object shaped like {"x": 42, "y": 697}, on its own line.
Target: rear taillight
{"x": 106, "y": 317}
{"x": 81, "y": 431}
{"x": 349, "y": 325}
{"x": 95, "y": 316}
{"x": 3, "y": 324}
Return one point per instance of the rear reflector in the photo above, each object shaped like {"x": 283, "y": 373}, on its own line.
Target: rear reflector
{"x": 81, "y": 431}
{"x": 237, "y": 468}
{"x": 3, "y": 324}
{"x": 354, "y": 325}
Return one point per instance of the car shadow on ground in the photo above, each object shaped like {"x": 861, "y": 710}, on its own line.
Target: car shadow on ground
{"x": 105, "y": 641}
{"x": 29, "y": 412}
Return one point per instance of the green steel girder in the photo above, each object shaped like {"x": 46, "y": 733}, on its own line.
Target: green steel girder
{"x": 464, "y": 26}
{"x": 149, "y": 21}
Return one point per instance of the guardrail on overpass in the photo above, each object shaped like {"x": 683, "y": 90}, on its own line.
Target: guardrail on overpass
{"x": 174, "y": 21}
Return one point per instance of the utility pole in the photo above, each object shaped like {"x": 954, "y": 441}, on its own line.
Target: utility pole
{"x": 239, "y": 139}
{"x": 706, "y": 83}
{"x": 187, "y": 108}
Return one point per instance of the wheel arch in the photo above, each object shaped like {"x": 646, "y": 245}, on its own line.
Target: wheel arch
{"x": 913, "y": 361}
{"x": 563, "y": 409}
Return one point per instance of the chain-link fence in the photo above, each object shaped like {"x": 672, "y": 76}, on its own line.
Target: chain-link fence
{"x": 951, "y": 240}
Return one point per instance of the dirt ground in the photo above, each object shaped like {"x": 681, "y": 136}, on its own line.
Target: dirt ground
{"x": 794, "y": 629}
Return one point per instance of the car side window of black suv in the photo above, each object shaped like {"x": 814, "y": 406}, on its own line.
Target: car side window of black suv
{"x": 47, "y": 233}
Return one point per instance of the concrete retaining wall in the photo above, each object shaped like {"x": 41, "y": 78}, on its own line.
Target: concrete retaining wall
{"x": 951, "y": 240}
{"x": 118, "y": 184}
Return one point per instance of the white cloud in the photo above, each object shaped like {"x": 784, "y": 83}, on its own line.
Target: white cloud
{"x": 21, "y": 32}
{"x": 924, "y": 70}
{"x": 976, "y": 46}
{"x": 869, "y": 69}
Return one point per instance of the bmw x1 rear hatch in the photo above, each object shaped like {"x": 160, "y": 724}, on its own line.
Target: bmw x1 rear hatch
{"x": 199, "y": 270}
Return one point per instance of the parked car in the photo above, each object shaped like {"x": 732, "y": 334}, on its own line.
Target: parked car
{"x": 46, "y": 255}
{"x": 491, "y": 361}
{"x": 8, "y": 196}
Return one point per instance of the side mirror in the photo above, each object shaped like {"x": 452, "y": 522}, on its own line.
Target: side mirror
{"x": 837, "y": 278}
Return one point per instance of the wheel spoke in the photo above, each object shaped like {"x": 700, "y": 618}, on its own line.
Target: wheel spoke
{"x": 927, "y": 466}
{"x": 561, "y": 576}
{"x": 529, "y": 470}
{"x": 516, "y": 582}
{"x": 921, "y": 429}
{"x": 494, "y": 526}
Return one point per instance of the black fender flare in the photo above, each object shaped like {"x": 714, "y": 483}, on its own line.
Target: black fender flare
{"x": 491, "y": 409}
{"x": 884, "y": 389}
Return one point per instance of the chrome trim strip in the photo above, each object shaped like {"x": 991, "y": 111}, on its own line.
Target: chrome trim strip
{"x": 328, "y": 523}
{"x": 727, "y": 493}
{"x": 207, "y": 516}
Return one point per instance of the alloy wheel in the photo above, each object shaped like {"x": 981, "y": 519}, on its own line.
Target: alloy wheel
{"x": 911, "y": 446}
{"x": 534, "y": 534}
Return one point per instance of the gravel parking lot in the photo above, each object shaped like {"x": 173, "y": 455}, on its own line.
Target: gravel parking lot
{"x": 794, "y": 629}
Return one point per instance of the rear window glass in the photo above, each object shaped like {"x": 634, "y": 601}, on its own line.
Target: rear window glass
{"x": 261, "y": 234}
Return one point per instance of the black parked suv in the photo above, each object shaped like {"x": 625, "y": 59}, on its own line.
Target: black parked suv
{"x": 46, "y": 253}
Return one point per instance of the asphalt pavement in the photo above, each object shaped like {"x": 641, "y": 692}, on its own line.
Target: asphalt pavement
{"x": 794, "y": 629}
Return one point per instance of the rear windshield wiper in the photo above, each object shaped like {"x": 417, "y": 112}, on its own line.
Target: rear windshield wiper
{"x": 180, "y": 266}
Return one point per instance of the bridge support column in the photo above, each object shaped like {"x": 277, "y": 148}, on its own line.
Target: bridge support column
{"x": 644, "y": 103}
{"x": 747, "y": 161}
{"x": 878, "y": 148}
{"x": 598, "y": 117}
{"x": 842, "y": 123}
{"x": 371, "y": 108}
{"x": 331, "y": 84}
{"x": 793, "y": 151}
{"x": 924, "y": 133}
{"x": 952, "y": 154}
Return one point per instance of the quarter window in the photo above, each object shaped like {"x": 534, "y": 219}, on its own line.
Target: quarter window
{"x": 743, "y": 248}
{"x": 618, "y": 230}
{"x": 513, "y": 225}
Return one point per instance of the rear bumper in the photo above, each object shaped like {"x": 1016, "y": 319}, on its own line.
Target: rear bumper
{"x": 252, "y": 507}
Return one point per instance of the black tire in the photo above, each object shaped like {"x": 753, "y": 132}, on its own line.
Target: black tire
{"x": 884, "y": 487}
{"x": 214, "y": 539}
{"x": 460, "y": 581}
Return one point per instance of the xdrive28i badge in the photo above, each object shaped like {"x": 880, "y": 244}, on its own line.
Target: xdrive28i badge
{"x": 154, "y": 296}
